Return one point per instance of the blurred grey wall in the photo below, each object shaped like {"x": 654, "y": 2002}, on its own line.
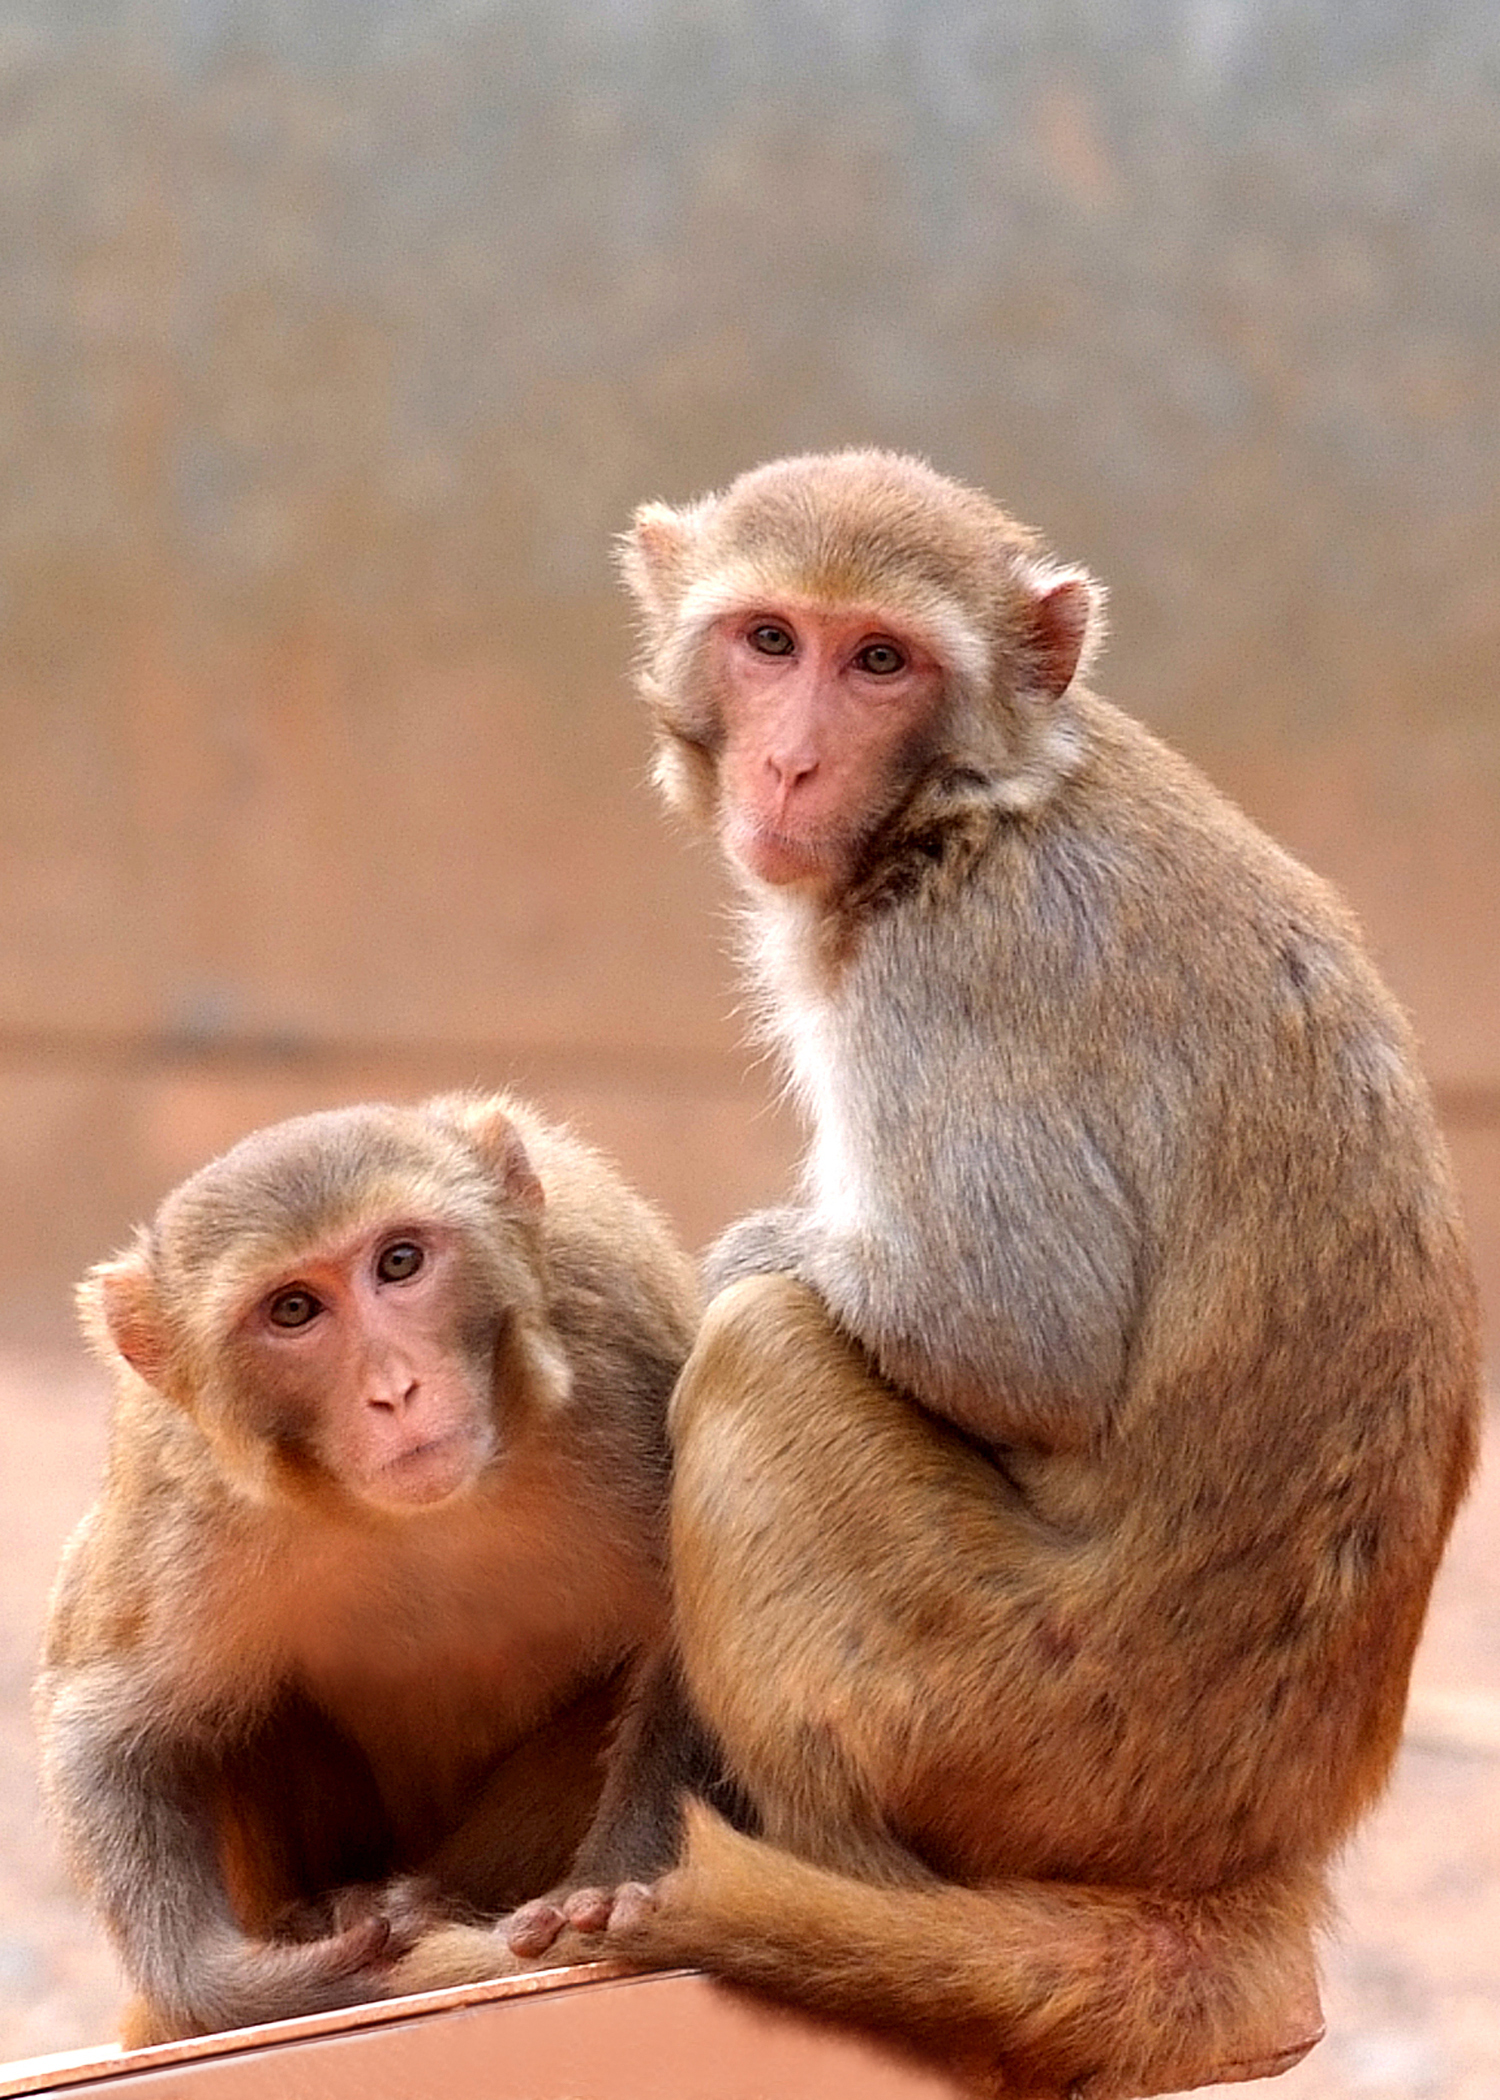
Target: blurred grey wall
{"x": 337, "y": 338}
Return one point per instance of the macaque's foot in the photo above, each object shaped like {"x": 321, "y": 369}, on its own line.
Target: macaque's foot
{"x": 359, "y": 1951}
{"x": 385, "y": 1919}
{"x": 532, "y": 1930}
{"x": 412, "y": 1905}
{"x": 335, "y": 1912}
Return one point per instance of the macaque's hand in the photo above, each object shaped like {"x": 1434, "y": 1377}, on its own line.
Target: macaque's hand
{"x": 389, "y": 1917}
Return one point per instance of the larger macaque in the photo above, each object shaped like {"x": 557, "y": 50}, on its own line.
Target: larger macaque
{"x": 1060, "y": 1481}
{"x": 380, "y": 1538}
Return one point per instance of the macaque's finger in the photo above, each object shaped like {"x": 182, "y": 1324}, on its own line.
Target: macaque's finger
{"x": 634, "y": 1902}
{"x": 531, "y": 1930}
{"x": 588, "y": 1910}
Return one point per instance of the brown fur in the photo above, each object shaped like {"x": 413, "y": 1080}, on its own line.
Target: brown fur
{"x": 1057, "y": 1499}
{"x": 321, "y": 1632}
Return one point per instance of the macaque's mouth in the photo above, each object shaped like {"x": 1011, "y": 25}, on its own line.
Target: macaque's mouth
{"x": 780, "y": 856}
{"x": 427, "y": 1472}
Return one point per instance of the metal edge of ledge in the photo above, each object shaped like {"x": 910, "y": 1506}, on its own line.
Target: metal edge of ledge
{"x": 51, "y": 2074}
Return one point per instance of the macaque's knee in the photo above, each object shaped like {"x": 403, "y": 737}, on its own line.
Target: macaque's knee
{"x": 768, "y": 1355}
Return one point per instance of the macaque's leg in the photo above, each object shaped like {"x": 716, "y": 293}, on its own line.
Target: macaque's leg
{"x": 661, "y": 1753}
{"x": 534, "y": 1810}
{"x": 851, "y": 1577}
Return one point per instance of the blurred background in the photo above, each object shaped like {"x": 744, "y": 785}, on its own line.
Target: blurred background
{"x": 337, "y": 338}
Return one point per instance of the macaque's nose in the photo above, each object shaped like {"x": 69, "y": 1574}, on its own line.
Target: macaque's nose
{"x": 392, "y": 1396}
{"x": 790, "y": 768}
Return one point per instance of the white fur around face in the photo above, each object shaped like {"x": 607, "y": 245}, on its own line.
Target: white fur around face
{"x": 1055, "y": 751}
{"x": 802, "y": 1012}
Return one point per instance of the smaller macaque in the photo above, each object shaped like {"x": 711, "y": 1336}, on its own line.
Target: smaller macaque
{"x": 379, "y": 1545}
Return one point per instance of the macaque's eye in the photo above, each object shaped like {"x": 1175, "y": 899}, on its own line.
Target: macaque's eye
{"x": 881, "y": 659}
{"x": 770, "y": 638}
{"x": 398, "y": 1261}
{"x": 293, "y": 1308}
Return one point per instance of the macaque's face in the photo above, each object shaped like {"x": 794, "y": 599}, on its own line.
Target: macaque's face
{"x": 361, "y": 1360}
{"x": 826, "y": 714}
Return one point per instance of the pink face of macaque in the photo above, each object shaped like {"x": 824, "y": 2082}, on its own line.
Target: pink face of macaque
{"x": 824, "y": 713}
{"x": 357, "y": 1356}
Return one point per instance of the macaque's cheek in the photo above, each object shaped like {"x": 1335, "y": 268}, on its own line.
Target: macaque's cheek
{"x": 280, "y": 1405}
{"x": 745, "y": 777}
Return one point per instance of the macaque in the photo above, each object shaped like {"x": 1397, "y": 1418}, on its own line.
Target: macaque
{"x": 1058, "y": 1483}
{"x": 380, "y": 1539}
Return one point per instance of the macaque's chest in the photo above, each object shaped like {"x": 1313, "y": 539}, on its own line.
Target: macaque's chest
{"x": 436, "y": 1655}
{"x": 836, "y": 1172}
{"x": 877, "y": 1096}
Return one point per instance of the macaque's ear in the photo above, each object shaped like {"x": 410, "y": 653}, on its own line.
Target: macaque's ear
{"x": 657, "y": 554}
{"x": 117, "y": 1304}
{"x": 485, "y": 1124}
{"x": 1064, "y": 628}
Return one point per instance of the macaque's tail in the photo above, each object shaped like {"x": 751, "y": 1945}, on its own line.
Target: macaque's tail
{"x": 1023, "y": 1987}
